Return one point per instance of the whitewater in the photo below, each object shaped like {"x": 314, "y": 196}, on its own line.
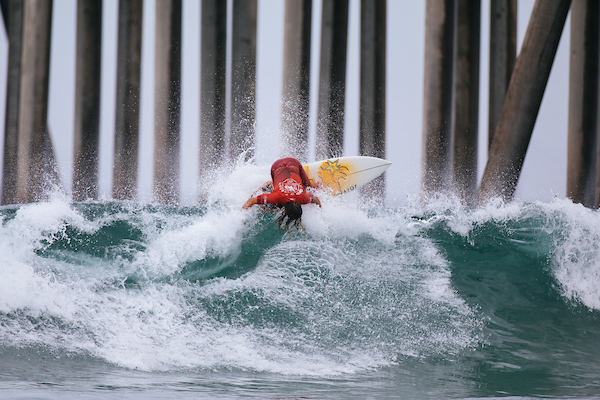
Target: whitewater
{"x": 128, "y": 300}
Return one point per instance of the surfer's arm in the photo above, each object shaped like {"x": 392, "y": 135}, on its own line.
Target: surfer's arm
{"x": 250, "y": 202}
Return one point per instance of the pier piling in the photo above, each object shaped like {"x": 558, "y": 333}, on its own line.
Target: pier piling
{"x": 167, "y": 101}
{"x": 129, "y": 57}
{"x": 87, "y": 100}
{"x": 243, "y": 80}
{"x": 332, "y": 79}
{"x": 373, "y": 27}
{"x": 296, "y": 79}
{"x": 465, "y": 113}
{"x": 213, "y": 76}
{"x": 13, "y": 93}
{"x": 437, "y": 97}
{"x": 37, "y": 169}
{"x": 503, "y": 54}
{"x": 583, "y": 102}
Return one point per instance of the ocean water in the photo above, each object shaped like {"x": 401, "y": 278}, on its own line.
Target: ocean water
{"x": 122, "y": 300}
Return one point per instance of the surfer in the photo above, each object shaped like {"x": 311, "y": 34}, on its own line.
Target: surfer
{"x": 289, "y": 191}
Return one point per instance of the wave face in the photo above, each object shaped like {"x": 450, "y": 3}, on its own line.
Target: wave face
{"x": 413, "y": 301}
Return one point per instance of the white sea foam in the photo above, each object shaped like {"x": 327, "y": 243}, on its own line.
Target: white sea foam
{"x": 23, "y": 283}
{"x": 213, "y": 235}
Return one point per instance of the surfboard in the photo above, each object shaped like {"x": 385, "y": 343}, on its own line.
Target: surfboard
{"x": 345, "y": 174}
{"x": 341, "y": 175}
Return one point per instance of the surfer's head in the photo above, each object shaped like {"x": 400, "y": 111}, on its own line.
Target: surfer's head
{"x": 291, "y": 217}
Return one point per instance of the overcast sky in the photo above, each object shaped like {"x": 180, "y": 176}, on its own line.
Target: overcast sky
{"x": 544, "y": 170}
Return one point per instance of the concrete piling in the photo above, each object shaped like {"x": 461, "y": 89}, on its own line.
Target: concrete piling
{"x": 503, "y": 54}
{"x": 296, "y": 79}
{"x": 437, "y": 97}
{"x": 332, "y": 79}
{"x": 465, "y": 118}
{"x": 213, "y": 76}
{"x": 583, "y": 102}
{"x": 13, "y": 93}
{"x": 243, "y": 80}
{"x": 129, "y": 56}
{"x": 37, "y": 170}
{"x": 87, "y": 100}
{"x": 167, "y": 102}
{"x": 373, "y": 41}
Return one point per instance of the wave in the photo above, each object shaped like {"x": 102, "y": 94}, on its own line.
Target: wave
{"x": 165, "y": 288}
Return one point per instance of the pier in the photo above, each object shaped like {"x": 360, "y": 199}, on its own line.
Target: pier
{"x": 343, "y": 74}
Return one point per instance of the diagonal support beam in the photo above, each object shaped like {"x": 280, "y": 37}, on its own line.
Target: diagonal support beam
{"x": 523, "y": 100}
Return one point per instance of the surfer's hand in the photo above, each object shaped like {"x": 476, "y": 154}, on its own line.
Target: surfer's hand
{"x": 317, "y": 201}
{"x": 249, "y": 203}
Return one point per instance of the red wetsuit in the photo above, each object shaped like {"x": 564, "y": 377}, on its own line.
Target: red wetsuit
{"x": 289, "y": 183}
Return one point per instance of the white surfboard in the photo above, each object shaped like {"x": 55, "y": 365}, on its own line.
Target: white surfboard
{"x": 340, "y": 175}
{"x": 345, "y": 174}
